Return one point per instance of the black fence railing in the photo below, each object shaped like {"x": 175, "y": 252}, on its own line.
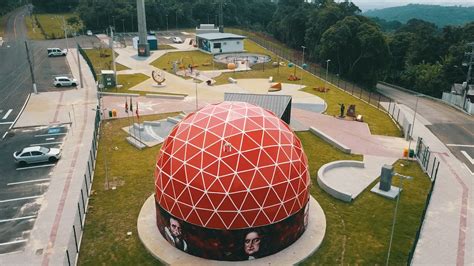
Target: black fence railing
{"x": 89, "y": 63}
{"x": 372, "y": 97}
{"x": 423, "y": 155}
{"x": 77, "y": 227}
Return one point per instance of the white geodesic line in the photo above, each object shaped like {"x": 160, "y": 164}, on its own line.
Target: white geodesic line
{"x": 290, "y": 160}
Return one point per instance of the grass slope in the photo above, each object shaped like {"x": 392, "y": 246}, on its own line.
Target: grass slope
{"x": 103, "y": 62}
{"x": 378, "y": 121}
{"x": 358, "y": 232}
{"x": 113, "y": 213}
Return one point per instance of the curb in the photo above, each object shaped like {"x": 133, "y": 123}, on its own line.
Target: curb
{"x": 119, "y": 94}
{"x": 330, "y": 140}
{"x": 165, "y": 96}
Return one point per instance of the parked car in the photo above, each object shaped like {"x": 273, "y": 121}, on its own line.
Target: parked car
{"x": 151, "y": 32}
{"x": 176, "y": 40}
{"x": 56, "y": 52}
{"x": 64, "y": 82}
{"x": 89, "y": 33}
{"x": 36, "y": 154}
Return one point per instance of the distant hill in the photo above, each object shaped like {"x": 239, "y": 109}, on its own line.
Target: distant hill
{"x": 439, "y": 15}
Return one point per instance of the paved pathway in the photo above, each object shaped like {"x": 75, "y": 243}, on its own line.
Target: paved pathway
{"x": 52, "y": 233}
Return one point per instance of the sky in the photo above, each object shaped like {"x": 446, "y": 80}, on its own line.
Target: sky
{"x": 377, "y": 4}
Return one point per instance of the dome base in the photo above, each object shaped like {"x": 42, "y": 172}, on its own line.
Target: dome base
{"x": 159, "y": 248}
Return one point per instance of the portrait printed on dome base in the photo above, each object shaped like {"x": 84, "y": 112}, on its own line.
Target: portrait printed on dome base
{"x": 231, "y": 245}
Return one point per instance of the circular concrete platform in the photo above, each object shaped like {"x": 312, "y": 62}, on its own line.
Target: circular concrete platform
{"x": 304, "y": 247}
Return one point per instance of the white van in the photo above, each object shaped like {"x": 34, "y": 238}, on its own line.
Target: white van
{"x": 56, "y": 52}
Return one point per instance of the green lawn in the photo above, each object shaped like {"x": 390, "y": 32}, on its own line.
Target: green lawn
{"x": 113, "y": 213}
{"x": 53, "y": 25}
{"x": 200, "y": 59}
{"x": 128, "y": 81}
{"x": 379, "y": 122}
{"x": 363, "y": 226}
{"x": 3, "y": 21}
{"x": 165, "y": 47}
{"x": 102, "y": 59}
{"x": 358, "y": 232}
{"x": 33, "y": 31}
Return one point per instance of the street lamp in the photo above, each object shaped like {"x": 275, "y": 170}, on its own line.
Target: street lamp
{"x": 395, "y": 212}
{"x": 166, "y": 22}
{"x": 123, "y": 25}
{"x": 196, "y": 81}
{"x": 303, "y": 67}
{"x": 327, "y": 70}
{"x": 410, "y": 132}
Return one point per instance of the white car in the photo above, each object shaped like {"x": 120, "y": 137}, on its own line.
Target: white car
{"x": 89, "y": 33}
{"x": 64, "y": 82}
{"x": 56, "y": 52}
{"x": 36, "y": 154}
{"x": 176, "y": 40}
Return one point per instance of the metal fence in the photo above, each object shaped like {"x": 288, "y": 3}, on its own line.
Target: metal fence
{"x": 369, "y": 96}
{"x": 77, "y": 227}
{"x": 430, "y": 165}
{"x": 89, "y": 63}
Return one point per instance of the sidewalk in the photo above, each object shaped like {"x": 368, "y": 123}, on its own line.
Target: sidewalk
{"x": 447, "y": 235}
{"x": 52, "y": 231}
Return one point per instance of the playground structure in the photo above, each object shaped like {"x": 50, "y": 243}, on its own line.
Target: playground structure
{"x": 275, "y": 87}
{"x": 243, "y": 58}
{"x": 158, "y": 77}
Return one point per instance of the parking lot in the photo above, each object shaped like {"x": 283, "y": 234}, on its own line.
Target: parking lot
{"x": 22, "y": 188}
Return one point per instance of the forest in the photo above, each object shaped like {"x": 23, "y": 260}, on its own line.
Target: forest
{"x": 417, "y": 54}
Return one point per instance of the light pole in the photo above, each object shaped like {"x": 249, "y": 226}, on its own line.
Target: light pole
{"x": 410, "y": 134}
{"x": 65, "y": 34}
{"x": 166, "y": 22}
{"x": 303, "y": 66}
{"x": 123, "y": 25}
{"x": 327, "y": 70}
{"x": 396, "y": 210}
{"x": 196, "y": 81}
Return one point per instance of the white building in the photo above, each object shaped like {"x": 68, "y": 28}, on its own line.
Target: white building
{"x": 216, "y": 43}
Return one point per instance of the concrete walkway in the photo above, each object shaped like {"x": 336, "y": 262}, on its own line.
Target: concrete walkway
{"x": 52, "y": 232}
{"x": 447, "y": 236}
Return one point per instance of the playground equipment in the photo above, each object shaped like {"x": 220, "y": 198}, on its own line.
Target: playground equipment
{"x": 275, "y": 87}
{"x": 246, "y": 58}
{"x": 231, "y": 66}
{"x": 158, "y": 77}
{"x": 293, "y": 78}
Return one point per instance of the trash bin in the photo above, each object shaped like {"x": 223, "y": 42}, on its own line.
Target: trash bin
{"x": 114, "y": 113}
{"x": 405, "y": 152}
{"x": 412, "y": 153}
{"x": 110, "y": 113}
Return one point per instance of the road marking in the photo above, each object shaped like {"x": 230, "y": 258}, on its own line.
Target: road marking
{"x": 33, "y": 167}
{"x": 18, "y": 219}
{"x": 460, "y": 145}
{"x": 6, "y": 123}
{"x": 468, "y": 168}
{"x": 13, "y": 242}
{"x": 27, "y": 182}
{"x": 45, "y": 143}
{"x": 47, "y": 135}
{"x": 468, "y": 157}
{"x": 7, "y": 114}
{"x": 18, "y": 199}
{"x": 49, "y": 139}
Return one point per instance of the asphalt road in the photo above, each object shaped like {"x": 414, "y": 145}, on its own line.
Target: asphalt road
{"x": 453, "y": 127}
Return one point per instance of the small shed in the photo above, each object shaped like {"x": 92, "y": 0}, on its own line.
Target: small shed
{"x": 152, "y": 41}
{"x": 280, "y": 105}
{"x": 216, "y": 43}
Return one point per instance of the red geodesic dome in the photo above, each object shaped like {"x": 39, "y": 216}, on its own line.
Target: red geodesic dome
{"x": 232, "y": 165}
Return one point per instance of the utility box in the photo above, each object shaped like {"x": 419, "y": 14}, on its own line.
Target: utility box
{"x": 152, "y": 42}
{"x": 108, "y": 78}
{"x": 386, "y": 177}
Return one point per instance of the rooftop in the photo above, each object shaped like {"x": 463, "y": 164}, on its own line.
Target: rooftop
{"x": 220, "y": 36}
